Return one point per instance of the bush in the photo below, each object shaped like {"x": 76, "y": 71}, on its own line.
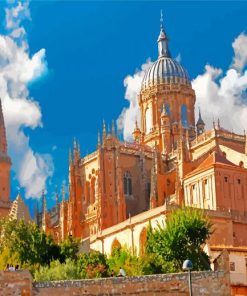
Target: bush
{"x": 58, "y": 271}
{"x": 93, "y": 265}
{"x": 122, "y": 257}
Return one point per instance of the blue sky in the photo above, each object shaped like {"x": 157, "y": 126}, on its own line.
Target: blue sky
{"x": 92, "y": 46}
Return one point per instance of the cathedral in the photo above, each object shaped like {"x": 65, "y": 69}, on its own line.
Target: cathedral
{"x": 117, "y": 190}
{"x": 172, "y": 161}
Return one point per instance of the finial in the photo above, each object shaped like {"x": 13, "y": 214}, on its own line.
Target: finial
{"x": 63, "y": 192}
{"x": 70, "y": 156}
{"x": 213, "y": 123}
{"x": 113, "y": 128}
{"x": 200, "y": 116}
{"x": 104, "y": 130}
{"x": 218, "y": 123}
{"x": 161, "y": 19}
{"x": 108, "y": 129}
{"x": 74, "y": 143}
{"x": 136, "y": 124}
{"x": 79, "y": 149}
{"x": 163, "y": 49}
{"x": 99, "y": 139}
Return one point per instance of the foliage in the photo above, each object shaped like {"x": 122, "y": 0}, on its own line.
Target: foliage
{"x": 155, "y": 264}
{"x": 185, "y": 232}
{"x": 69, "y": 248}
{"x": 24, "y": 243}
{"x": 93, "y": 265}
{"x": 132, "y": 264}
{"x": 58, "y": 271}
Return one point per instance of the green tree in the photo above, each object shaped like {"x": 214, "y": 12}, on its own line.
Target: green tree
{"x": 69, "y": 248}
{"x": 183, "y": 236}
{"x": 24, "y": 243}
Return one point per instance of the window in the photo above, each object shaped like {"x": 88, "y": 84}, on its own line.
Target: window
{"x": 239, "y": 181}
{"x": 184, "y": 116}
{"x": 148, "y": 120}
{"x": 226, "y": 179}
{"x": 127, "y": 184}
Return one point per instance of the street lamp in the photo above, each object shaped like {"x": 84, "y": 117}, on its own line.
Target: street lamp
{"x": 187, "y": 265}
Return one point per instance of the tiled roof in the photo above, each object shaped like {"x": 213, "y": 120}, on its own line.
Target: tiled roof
{"x": 210, "y": 161}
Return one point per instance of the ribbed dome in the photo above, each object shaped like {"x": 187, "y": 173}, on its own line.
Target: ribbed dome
{"x": 165, "y": 70}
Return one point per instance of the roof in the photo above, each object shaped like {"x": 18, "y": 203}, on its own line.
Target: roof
{"x": 19, "y": 210}
{"x": 166, "y": 69}
{"x": 213, "y": 159}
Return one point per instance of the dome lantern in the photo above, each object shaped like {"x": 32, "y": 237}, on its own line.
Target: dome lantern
{"x": 163, "y": 49}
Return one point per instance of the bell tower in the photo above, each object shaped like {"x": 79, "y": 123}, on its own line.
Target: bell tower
{"x": 5, "y": 162}
{"x": 166, "y": 100}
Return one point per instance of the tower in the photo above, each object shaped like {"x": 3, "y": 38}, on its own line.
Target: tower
{"x": 5, "y": 162}
{"x": 200, "y": 125}
{"x": 166, "y": 83}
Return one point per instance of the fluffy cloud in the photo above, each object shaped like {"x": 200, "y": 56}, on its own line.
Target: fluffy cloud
{"x": 223, "y": 95}
{"x": 127, "y": 118}
{"x": 240, "y": 52}
{"x": 17, "y": 70}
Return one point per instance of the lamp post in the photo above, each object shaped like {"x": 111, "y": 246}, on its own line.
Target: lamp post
{"x": 187, "y": 265}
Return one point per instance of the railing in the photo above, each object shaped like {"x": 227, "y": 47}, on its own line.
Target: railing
{"x": 218, "y": 133}
{"x": 89, "y": 156}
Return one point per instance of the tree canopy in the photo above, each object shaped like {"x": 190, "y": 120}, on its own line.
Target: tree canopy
{"x": 181, "y": 237}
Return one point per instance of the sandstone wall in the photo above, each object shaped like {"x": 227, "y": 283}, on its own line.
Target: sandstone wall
{"x": 203, "y": 283}
{"x": 15, "y": 283}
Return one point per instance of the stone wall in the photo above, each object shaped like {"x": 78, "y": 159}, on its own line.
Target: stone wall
{"x": 209, "y": 283}
{"x": 206, "y": 283}
{"x": 15, "y": 283}
{"x": 203, "y": 283}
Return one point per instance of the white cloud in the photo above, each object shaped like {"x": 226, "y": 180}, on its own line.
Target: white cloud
{"x": 223, "y": 95}
{"x": 240, "y": 52}
{"x": 17, "y": 70}
{"x": 127, "y": 118}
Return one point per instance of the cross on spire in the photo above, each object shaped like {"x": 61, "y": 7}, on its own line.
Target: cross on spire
{"x": 161, "y": 18}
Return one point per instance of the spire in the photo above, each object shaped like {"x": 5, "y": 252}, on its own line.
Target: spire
{"x": 200, "y": 125}
{"x": 99, "y": 143}
{"x": 3, "y": 140}
{"x": 163, "y": 49}
{"x": 43, "y": 202}
{"x": 113, "y": 128}
{"x": 104, "y": 131}
{"x": 70, "y": 156}
{"x": 218, "y": 123}
{"x": 63, "y": 192}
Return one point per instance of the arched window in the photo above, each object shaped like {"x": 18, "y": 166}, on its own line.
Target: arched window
{"x": 184, "y": 116}
{"x": 148, "y": 120}
{"x": 127, "y": 184}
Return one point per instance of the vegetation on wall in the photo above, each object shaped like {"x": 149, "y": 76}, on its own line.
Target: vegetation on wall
{"x": 167, "y": 246}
